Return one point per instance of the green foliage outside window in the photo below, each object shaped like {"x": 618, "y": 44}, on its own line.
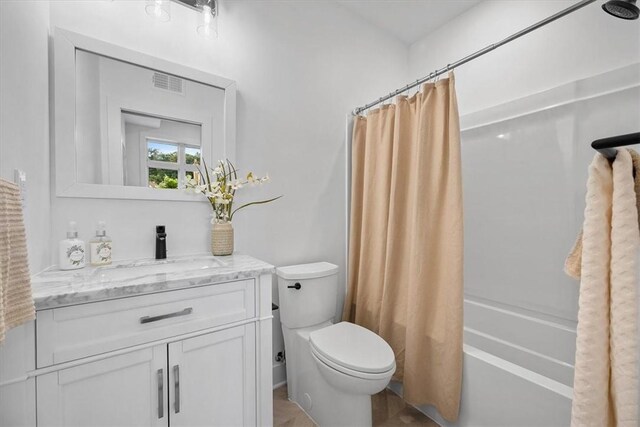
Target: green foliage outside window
{"x": 192, "y": 156}
{"x": 156, "y": 154}
{"x": 163, "y": 178}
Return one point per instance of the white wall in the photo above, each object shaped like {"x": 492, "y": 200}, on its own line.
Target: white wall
{"x": 300, "y": 67}
{"x": 24, "y": 144}
{"x": 580, "y": 45}
{"x": 24, "y": 110}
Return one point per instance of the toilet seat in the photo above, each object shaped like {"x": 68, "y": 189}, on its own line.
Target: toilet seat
{"x": 350, "y": 372}
{"x": 353, "y": 350}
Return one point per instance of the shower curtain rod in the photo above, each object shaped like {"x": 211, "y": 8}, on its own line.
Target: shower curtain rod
{"x": 476, "y": 54}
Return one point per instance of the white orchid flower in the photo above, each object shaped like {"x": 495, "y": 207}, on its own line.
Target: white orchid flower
{"x": 219, "y": 187}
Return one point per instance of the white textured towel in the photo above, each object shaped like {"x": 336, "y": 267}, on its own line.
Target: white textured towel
{"x": 605, "y": 387}
{"x": 16, "y": 302}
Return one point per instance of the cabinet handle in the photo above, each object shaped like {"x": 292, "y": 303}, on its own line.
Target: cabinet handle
{"x": 149, "y": 319}
{"x": 176, "y": 380}
{"x": 160, "y": 376}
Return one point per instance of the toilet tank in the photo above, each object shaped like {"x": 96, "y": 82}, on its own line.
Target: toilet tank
{"x": 307, "y": 293}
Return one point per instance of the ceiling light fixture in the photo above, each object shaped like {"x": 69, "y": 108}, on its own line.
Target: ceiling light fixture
{"x": 208, "y": 10}
{"x": 208, "y": 25}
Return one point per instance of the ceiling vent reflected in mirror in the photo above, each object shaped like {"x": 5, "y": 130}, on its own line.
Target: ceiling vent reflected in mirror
{"x": 168, "y": 82}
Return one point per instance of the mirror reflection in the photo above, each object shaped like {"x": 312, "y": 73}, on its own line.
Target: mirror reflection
{"x": 140, "y": 127}
{"x": 160, "y": 153}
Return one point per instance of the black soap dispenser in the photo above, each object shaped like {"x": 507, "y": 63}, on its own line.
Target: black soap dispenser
{"x": 161, "y": 242}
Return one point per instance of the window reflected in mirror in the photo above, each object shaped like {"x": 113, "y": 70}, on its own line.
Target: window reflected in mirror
{"x": 160, "y": 153}
{"x": 170, "y": 162}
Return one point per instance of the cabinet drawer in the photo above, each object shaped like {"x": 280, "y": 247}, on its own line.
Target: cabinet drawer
{"x": 69, "y": 333}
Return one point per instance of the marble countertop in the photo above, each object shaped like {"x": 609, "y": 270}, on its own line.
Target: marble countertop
{"x": 56, "y": 288}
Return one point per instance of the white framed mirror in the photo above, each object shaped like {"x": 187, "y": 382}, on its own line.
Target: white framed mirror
{"x": 132, "y": 126}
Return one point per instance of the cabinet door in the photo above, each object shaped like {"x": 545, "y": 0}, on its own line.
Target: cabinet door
{"x": 125, "y": 390}
{"x": 213, "y": 379}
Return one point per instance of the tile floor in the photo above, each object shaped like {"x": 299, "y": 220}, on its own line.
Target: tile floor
{"x": 389, "y": 410}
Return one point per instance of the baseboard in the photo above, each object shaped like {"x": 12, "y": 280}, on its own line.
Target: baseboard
{"x": 279, "y": 375}
{"x": 278, "y": 385}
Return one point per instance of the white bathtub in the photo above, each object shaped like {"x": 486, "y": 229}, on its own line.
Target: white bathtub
{"x": 522, "y": 378}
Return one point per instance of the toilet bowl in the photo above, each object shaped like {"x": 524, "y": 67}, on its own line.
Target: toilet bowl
{"x": 352, "y": 358}
{"x": 332, "y": 369}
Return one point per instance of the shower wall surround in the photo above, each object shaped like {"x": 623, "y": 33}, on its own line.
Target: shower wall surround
{"x": 531, "y": 179}
{"x": 524, "y": 166}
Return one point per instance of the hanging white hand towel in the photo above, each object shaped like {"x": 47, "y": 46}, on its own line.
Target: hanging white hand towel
{"x": 605, "y": 387}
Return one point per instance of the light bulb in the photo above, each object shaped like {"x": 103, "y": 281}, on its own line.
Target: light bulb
{"x": 159, "y": 9}
{"x": 208, "y": 27}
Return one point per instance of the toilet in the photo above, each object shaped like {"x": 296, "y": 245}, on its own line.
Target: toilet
{"x": 332, "y": 369}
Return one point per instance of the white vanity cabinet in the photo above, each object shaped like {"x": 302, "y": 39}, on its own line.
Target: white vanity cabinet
{"x": 225, "y": 359}
{"x": 121, "y": 390}
{"x": 189, "y": 354}
{"x": 207, "y": 380}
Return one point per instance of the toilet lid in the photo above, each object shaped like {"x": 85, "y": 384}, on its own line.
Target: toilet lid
{"x": 353, "y": 347}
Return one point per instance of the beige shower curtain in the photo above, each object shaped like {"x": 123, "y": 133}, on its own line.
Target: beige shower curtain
{"x": 405, "y": 243}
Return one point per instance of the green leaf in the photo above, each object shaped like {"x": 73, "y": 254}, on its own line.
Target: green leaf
{"x": 253, "y": 203}
{"x": 206, "y": 169}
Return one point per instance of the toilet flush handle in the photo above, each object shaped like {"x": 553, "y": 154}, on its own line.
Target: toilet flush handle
{"x": 297, "y": 286}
